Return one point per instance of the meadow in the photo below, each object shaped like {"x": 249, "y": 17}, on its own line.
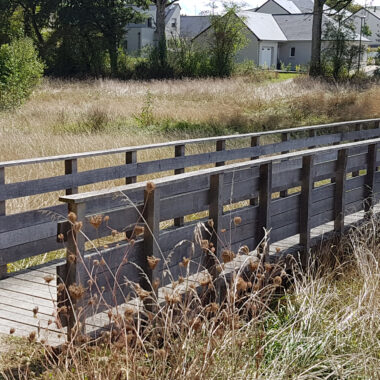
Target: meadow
{"x": 322, "y": 324}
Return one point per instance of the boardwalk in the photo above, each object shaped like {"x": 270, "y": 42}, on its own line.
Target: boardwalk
{"x": 318, "y": 184}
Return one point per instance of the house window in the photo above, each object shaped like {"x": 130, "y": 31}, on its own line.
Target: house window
{"x": 293, "y": 52}
{"x": 174, "y": 23}
{"x": 150, "y": 22}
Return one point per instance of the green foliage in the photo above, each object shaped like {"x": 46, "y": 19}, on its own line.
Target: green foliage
{"x": 227, "y": 37}
{"x": 146, "y": 117}
{"x": 20, "y": 71}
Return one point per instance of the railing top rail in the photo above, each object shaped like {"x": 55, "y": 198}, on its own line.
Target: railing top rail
{"x": 93, "y": 195}
{"x": 41, "y": 160}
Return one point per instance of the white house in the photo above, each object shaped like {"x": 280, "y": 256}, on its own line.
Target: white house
{"x": 142, "y": 35}
{"x": 371, "y": 18}
{"x": 284, "y": 36}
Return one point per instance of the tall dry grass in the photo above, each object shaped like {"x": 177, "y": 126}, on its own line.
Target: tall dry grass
{"x": 324, "y": 324}
{"x": 69, "y": 116}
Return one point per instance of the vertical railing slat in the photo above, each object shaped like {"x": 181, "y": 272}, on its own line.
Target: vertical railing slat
{"x": 370, "y": 180}
{"x": 71, "y": 167}
{"x": 284, "y": 138}
{"x": 179, "y": 152}
{"x": 305, "y": 207}
{"x": 3, "y": 210}
{"x": 340, "y": 191}
{"x": 265, "y": 201}
{"x": 255, "y": 141}
{"x": 220, "y": 146}
{"x": 130, "y": 158}
{"x": 151, "y": 236}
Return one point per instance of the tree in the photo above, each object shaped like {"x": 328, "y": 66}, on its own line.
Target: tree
{"x": 335, "y": 7}
{"x": 106, "y": 19}
{"x": 227, "y": 37}
{"x": 161, "y": 6}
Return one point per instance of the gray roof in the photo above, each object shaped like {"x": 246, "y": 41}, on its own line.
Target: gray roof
{"x": 299, "y": 27}
{"x": 288, "y": 5}
{"x": 263, "y": 26}
{"x": 191, "y": 26}
{"x": 304, "y": 6}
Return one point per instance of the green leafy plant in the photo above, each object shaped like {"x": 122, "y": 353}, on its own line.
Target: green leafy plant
{"x": 20, "y": 71}
{"x": 146, "y": 117}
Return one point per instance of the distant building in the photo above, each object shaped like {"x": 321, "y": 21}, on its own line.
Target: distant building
{"x": 142, "y": 35}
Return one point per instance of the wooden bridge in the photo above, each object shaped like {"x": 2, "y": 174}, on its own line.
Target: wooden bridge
{"x": 298, "y": 184}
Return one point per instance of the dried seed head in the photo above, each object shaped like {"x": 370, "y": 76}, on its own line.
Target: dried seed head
{"x": 12, "y": 330}
{"x": 114, "y": 233}
{"x": 253, "y": 266}
{"x": 76, "y": 291}
{"x": 71, "y": 258}
{"x": 102, "y": 262}
{"x": 172, "y": 299}
{"x": 49, "y": 322}
{"x": 96, "y": 221}
{"x": 32, "y": 336}
{"x": 237, "y": 220}
{"x": 244, "y": 250}
{"x": 277, "y": 281}
{"x": 205, "y": 245}
{"x": 241, "y": 285}
{"x": 110, "y": 315}
{"x": 78, "y": 226}
{"x": 210, "y": 223}
{"x": 185, "y": 262}
{"x": 278, "y": 249}
{"x": 212, "y": 308}
{"x": 96, "y": 263}
{"x": 60, "y": 287}
{"x": 61, "y": 237}
{"x": 141, "y": 292}
{"x": 49, "y": 278}
{"x": 150, "y": 186}
{"x": 90, "y": 282}
{"x": 72, "y": 217}
{"x": 35, "y": 311}
{"x": 223, "y": 230}
{"x": 205, "y": 281}
{"x": 139, "y": 230}
{"x": 227, "y": 256}
{"x": 180, "y": 279}
{"x": 156, "y": 283}
{"x": 106, "y": 218}
{"x": 152, "y": 262}
{"x": 268, "y": 267}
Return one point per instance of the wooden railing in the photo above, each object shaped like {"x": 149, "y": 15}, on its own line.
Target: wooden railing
{"x": 30, "y": 233}
{"x": 328, "y": 184}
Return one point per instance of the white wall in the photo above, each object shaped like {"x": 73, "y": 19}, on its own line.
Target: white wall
{"x": 272, "y": 8}
{"x": 251, "y": 51}
{"x": 302, "y": 53}
{"x": 174, "y": 31}
{"x": 274, "y": 46}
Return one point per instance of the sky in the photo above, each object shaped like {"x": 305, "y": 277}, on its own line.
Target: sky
{"x": 194, "y": 7}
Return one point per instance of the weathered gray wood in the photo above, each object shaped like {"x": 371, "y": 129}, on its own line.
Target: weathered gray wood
{"x": 255, "y": 141}
{"x": 179, "y": 152}
{"x": 151, "y": 235}
{"x": 358, "y": 127}
{"x": 71, "y": 167}
{"x": 370, "y": 179}
{"x": 305, "y": 206}
{"x": 284, "y": 137}
{"x": 265, "y": 200}
{"x": 3, "y": 267}
{"x": 284, "y": 232}
{"x": 131, "y": 158}
{"x": 340, "y": 191}
{"x": 220, "y": 146}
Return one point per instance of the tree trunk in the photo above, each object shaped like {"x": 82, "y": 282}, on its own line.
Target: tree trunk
{"x": 161, "y": 34}
{"x": 315, "y": 63}
{"x": 112, "y": 50}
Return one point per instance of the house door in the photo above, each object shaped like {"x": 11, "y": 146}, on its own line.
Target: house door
{"x": 266, "y": 56}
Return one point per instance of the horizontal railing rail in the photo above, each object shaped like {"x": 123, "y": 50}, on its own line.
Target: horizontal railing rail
{"x": 328, "y": 184}
{"x": 32, "y": 232}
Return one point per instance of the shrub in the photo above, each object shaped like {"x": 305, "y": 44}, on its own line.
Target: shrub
{"x": 20, "y": 71}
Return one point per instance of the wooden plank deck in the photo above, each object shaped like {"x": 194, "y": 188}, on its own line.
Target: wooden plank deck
{"x": 28, "y": 302}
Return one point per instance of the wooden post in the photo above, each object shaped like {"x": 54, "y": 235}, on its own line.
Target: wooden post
{"x": 340, "y": 191}
{"x": 305, "y": 207}
{"x": 151, "y": 237}
{"x": 265, "y": 201}
{"x": 130, "y": 158}
{"x": 216, "y": 209}
{"x": 210, "y": 261}
{"x": 358, "y": 128}
{"x": 370, "y": 179}
{"x": 3, "y": 268}
{"x": 284, "y": 138}
{"x": 220, "y": 146}
{"x": 255, "y": 141}
{"x": 179, "y": 152}
{"x": 75, "y": 250}
{"x": 71, "y": 167}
